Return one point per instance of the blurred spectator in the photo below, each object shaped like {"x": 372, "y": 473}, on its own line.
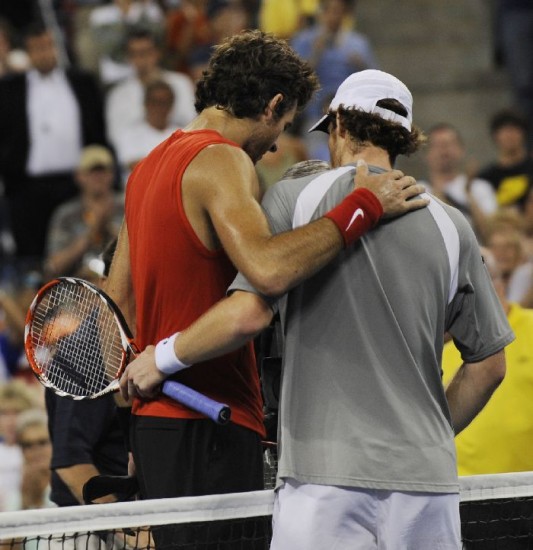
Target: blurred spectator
{"x": 33, "y": 439}
{"x": 286, "y": 17}
{"x": 19, "y": 13}
{"x": 498, "y": 440}
{"x": 15, "y": 397}
{"x": 111, "y": 25}
{"x": 7, "y": 243}
{"x": 136, "y": 142}
{"x": 87, "y": 440}
{"x": 507, "y": 217}
{"x": 87, "y": 436}
{"x": 334, "y": 52}
{"x": 16, "y": 294}
{"x": 225, "y": 18}
{"x": 84, "y": 48}
{"x": 187, "y": 29}
{"x": 527, "y": 218}
{"x": 507, "y": 246}
{"x": 12, "y": 60}
{"x": 511, "y": 173}
{"x": 252, "y": 8}
{"x": 448, "y": 180}
{"x": 46, "y": 115}
{"x": 125, "y": 102}
{"x": 515, "y": 39}
{"x": 80, "y": 228}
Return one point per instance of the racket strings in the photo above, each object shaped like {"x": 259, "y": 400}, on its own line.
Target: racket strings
{"x": 76, "y": 339}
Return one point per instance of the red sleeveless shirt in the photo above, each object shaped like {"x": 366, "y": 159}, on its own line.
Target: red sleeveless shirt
{"x": 176, "y": 279}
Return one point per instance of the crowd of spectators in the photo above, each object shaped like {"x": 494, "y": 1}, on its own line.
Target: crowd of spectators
{"x": 83, "y": 100}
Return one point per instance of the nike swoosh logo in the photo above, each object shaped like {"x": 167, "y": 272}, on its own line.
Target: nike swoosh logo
{"x": 356, "y": 214}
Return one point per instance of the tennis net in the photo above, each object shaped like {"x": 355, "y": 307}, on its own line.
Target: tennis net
{"x": 497, "y": 511}
{"x": 496, "y": 514}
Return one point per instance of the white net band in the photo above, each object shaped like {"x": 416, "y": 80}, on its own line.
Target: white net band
{"x": 101, "y": 517}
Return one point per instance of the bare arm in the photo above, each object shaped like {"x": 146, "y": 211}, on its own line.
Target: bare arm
{"x": 274, "y": 264}
{"x": 225, "y": 327}
{"x": 119, "y": 284}
{"x": 471, "y": 388}
{"x": 75, "y": 477}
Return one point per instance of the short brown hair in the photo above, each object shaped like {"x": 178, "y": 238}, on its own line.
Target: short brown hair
{"x": 248, "y": 69}
{"x": 371, "y": 128}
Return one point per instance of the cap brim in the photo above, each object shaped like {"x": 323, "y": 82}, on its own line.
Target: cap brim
{"x": 322, "y": 125}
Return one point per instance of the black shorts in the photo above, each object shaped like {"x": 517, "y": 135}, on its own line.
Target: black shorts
{"x": 175, "y": 457}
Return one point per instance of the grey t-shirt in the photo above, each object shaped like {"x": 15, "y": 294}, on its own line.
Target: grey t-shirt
{"x": 362, "y": 400}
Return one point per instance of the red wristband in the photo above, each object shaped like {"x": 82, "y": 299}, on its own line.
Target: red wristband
{"x": 356, "y": 214}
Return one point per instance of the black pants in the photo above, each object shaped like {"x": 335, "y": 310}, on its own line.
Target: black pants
{"x": 198, "y": 457}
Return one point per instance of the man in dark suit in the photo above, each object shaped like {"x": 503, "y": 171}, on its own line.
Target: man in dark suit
{"x": 46, "y": 116}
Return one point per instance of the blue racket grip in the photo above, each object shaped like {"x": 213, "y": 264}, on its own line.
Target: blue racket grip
{"x": 218, "y": 412}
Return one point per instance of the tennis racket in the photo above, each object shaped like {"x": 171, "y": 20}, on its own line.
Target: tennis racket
{"x": 78, "y": 344}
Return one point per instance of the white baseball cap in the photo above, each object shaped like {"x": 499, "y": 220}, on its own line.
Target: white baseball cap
{"x": 362, "y": 90}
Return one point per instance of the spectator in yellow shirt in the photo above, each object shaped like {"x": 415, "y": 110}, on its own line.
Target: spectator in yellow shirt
{"x": 499, "y": 439}
{"x": 286, "y": 17}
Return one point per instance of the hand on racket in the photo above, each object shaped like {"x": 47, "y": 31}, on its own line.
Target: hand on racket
{"x": 78, "y": 344}
{"x": 141, "y": 377}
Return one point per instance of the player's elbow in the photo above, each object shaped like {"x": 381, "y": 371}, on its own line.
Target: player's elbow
{"x": 252, "y": 315}
{"x": 269, "y": 281}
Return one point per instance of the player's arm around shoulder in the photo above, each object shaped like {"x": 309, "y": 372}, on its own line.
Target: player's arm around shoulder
{"x": 396, "y": 192}
{"x": 221, "y": 184}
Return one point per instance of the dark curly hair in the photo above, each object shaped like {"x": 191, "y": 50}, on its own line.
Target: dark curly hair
{"x": 248, "y": 69}
{"x": 371, "y": 128}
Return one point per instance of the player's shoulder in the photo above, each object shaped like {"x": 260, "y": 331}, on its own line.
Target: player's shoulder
{"x": 299, "y": 176}
{"x": 304, "y": 188}
{"x": 221, "y": 165}
{"x": 453, "y": 213}
{"x": 464, "y": 229}
{"x": 223, "y": 155}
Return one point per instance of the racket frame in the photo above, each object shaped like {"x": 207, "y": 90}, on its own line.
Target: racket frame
{"x": 126, "y": 337}
{"x": 218, "y": 412}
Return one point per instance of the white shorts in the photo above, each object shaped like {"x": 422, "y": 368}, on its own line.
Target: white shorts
{"x": 322, "y": 517}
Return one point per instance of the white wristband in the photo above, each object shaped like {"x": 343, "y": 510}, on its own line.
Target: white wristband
{"x": 166, "y": 359}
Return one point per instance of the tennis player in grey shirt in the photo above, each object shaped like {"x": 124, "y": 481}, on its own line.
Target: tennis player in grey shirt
{"x": 367, "y": 458}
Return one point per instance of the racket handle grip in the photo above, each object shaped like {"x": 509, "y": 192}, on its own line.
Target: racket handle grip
{"x": 218, "y": 412}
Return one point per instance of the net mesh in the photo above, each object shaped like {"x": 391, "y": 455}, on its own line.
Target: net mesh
{"x": 74, "y": 340}
{"x": 496, "y": 514}
{"x": 497, "y": 511}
